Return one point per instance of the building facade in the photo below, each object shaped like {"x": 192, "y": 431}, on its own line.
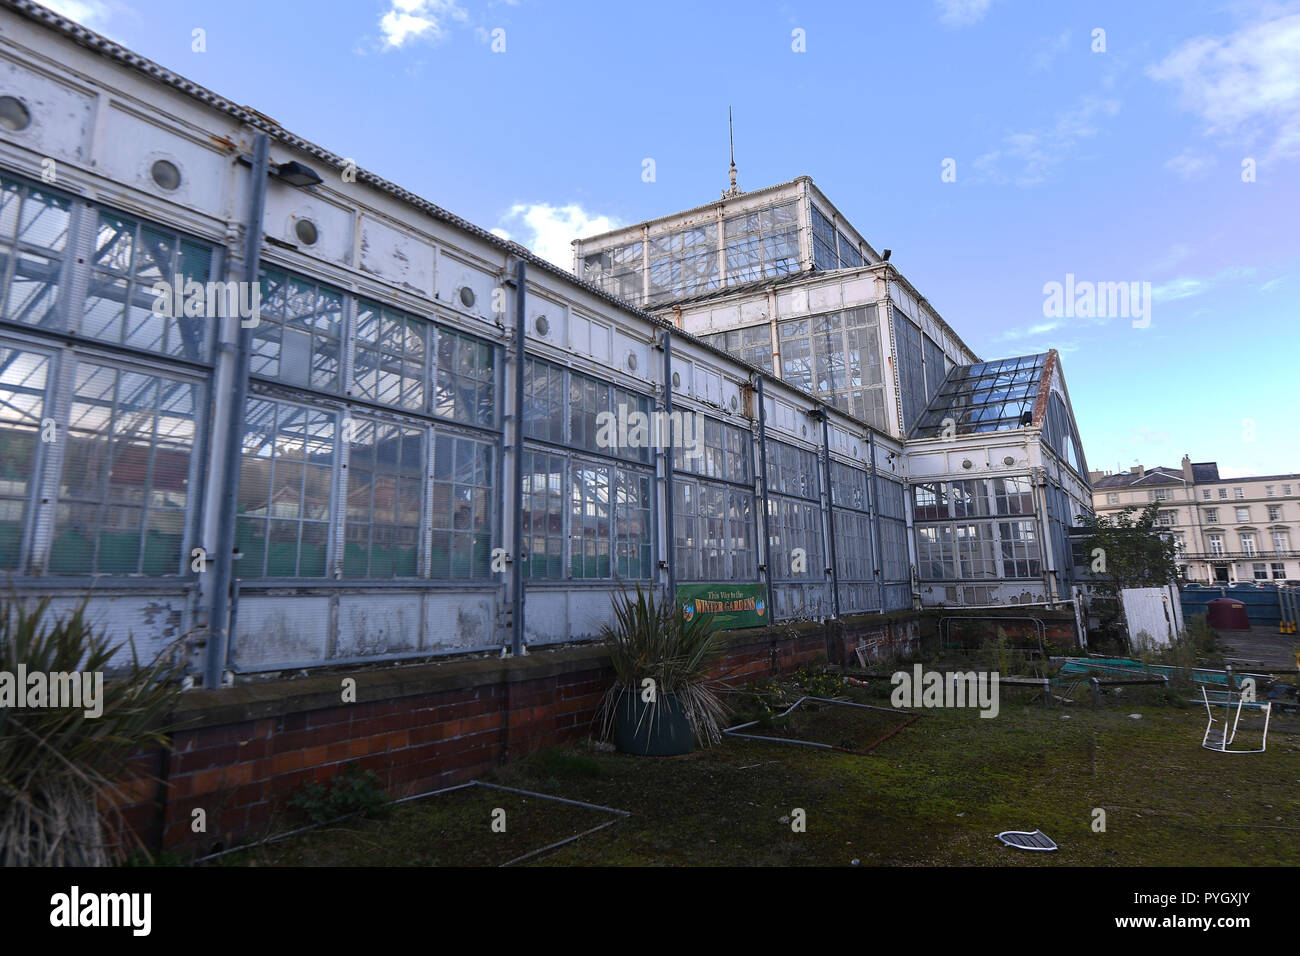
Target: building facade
{"x": 1226, "y": 530}
{"x": 778, "y": 277}
{"x": 423, "y": 463}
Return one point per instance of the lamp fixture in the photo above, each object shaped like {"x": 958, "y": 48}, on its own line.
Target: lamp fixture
{"x": 297, "y": 174}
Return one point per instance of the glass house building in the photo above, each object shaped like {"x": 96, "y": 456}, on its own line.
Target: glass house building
{"x": 993, "y": 464}
{"x": 426, "y": 440}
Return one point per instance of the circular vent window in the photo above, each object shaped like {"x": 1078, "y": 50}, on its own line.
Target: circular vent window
{"x": 165, "y": 174}
{"x": 542, "y": 324}
{"x": 306, "y": 232}
{"x": 14, "y": 115}
{"x": 631, "y": 361}
{"x": 734, "y": 403}
{"x": 467, "y": 297}
{"x": 677, "y": 380}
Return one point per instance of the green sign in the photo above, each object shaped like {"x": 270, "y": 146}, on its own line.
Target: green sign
{"x": 729, "y": 605}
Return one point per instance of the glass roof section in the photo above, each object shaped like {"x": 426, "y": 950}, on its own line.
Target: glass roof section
{"x": 988, "y": 397}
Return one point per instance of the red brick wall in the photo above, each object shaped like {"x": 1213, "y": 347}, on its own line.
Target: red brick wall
{"x": 242, "y": 772}
{"x": 1060, "y": 633}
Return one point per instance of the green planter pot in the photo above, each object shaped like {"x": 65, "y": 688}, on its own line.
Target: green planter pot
{"x": 659, "y": 732}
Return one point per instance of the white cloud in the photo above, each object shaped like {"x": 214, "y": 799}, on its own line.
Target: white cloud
{"x": 1151, "y": 436}
{"x": 1178, "y": 253}
{"x": 1245, "y": 85}
{"x": 1182, "y": 288}
{"x": 408, "y": 20}
{"x": 89, "y": 13}
{"x": 1040, "y": 328}
{"x": 1038, "y": 152}
{"x": 550, "y": 230}
{"x": 1048, "y": 49}
{"x": 1189, "y": 165}
{"x": 1185, "y": 287}
{"x": 961, "y": 13}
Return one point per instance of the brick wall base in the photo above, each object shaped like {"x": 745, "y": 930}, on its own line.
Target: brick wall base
{"x": 244, "y": 750}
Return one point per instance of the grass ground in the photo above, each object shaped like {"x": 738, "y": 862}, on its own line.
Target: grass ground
{"x": 933, "y": 794}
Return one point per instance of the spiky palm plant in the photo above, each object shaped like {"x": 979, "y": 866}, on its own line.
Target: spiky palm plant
{"x": 651, "y": 638}
{"x": 56, "y": 762}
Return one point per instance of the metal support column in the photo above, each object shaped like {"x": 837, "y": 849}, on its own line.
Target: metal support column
{"x": 517, "y": 569}
{"x": 218, "y": 648}
{"x": 830, "y": 513}
{"x": 668, "y": 464}
{"x": 877, "y": 571}
{"x": 762, "y": 502}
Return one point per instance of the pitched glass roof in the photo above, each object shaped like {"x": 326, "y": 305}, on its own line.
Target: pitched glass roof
{"x": 988, "y": 397}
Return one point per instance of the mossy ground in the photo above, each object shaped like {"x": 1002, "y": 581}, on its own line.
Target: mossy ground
{"x": 933, "y": 795}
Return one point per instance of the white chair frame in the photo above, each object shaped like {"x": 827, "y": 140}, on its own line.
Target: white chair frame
{"x": 1221, "y": 739}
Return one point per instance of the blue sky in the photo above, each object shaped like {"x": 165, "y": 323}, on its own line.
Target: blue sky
{"x": 1115, "y": 165}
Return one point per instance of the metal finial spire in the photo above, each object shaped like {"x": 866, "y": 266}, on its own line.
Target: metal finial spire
{"x": 731, "y": 135}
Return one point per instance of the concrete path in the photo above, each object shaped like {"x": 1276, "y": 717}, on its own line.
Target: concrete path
{"x": 1260, "y": 647}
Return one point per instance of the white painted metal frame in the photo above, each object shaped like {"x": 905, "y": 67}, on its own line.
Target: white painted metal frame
{"x": 1220, "y": 739}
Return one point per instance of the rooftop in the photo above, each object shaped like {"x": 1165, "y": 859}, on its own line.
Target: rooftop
{"x": 1203, "y": 472}
{"x": 1159, "y": 475}
{"x": 986, "y": 397}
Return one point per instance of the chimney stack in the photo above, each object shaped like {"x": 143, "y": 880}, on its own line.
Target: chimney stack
{"x": 1187, "y": 469}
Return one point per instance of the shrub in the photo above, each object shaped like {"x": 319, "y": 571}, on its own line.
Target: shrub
{"x": 818, "y": 683}
{"x": 55, "y": 762}
{"x": 352, "y": 791}
{"x": 652, "y": 639}
{"x": 1000, "y": 655}
{"x": 1202, "y": 637}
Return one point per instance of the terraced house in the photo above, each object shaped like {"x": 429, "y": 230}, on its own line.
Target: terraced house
{"x": 1226, "y": 530}
{"x": 272, "y": 404}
